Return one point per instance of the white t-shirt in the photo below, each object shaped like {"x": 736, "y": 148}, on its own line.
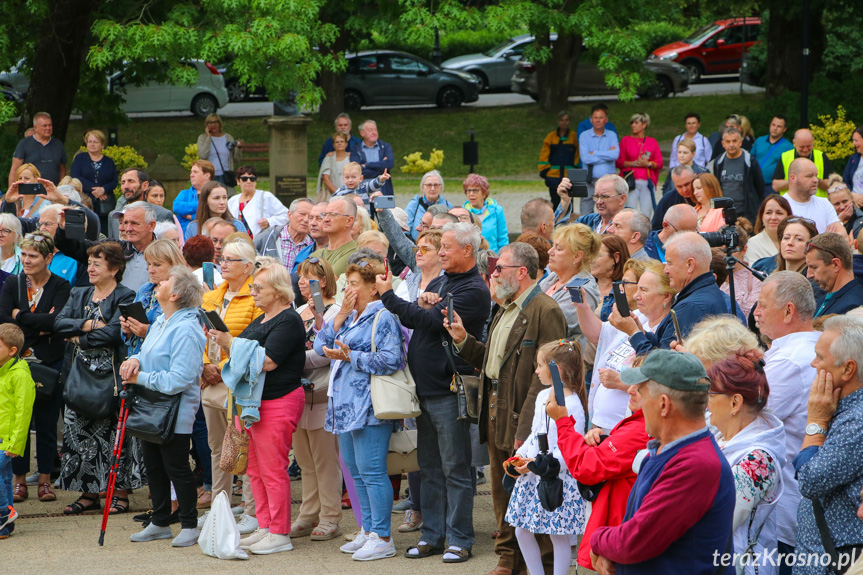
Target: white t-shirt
{"x": 819, "y": 210}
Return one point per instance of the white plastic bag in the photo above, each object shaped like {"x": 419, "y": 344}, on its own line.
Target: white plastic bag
{"x": 220, "y": 536}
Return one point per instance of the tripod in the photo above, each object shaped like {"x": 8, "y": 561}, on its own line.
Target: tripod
{"x": 730, "y": 262}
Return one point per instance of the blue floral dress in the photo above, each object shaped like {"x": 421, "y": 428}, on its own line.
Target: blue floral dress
{"x": 350, "y": 406}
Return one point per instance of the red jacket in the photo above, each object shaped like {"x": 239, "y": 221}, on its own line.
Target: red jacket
{"x": 610, "y": 461}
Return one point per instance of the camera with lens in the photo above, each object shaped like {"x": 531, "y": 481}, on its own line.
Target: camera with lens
{"x": 231, "y": 146}
{"x": 307, "y": 384}
{"x": 726, "y": 237}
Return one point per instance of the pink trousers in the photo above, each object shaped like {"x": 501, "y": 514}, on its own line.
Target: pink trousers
{"x": 269, "y": 446}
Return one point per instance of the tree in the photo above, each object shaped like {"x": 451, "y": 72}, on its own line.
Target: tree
{"x": 785, "y": 45}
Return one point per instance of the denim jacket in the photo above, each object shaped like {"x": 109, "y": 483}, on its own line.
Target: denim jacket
{"x": 244, "y": 375}
{"x": 350, "y": 407}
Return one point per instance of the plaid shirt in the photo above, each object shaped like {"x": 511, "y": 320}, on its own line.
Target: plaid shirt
{"x": 290, "y": 248}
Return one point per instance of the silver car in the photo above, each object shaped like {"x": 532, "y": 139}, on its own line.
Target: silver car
{"x": 202, "y": 98}
{"x": 493, "y": 68}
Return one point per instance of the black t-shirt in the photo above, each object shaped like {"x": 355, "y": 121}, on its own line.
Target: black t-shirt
{"x": 284, "y": 339}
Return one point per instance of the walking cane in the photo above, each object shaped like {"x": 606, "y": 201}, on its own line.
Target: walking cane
{"x": 115, "y": 461}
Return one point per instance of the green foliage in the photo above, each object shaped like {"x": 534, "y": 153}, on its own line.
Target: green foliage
{"x": 834, "y": 137}
{"x": 452, "y": 43}
{"x": 190, "y": 156}
{"x": 414, "y": 163}
{"x": 844, "y": 38}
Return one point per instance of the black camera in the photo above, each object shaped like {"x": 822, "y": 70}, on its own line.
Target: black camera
{"x": 231, "y": 146}
{"x": 307, "y": 384}
{"x": 726, "y": 237}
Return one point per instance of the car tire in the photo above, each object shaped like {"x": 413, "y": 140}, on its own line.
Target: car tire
{"x": 695, "y": 69}
{"x": 661, "y": 89}
{"x": 236, "y": 92}
{"x": 353, "y": 100}
{"x": 483, "y": 81}
{"x": 450, "y": 97}
{"x": 204, "y": 104}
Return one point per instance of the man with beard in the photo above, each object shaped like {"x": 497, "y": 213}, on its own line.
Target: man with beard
{"x": 527, "y": 319}
{"x": 134, "y": 183}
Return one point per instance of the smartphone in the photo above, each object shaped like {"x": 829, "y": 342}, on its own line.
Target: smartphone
{"x": 75, "y": 224}
{"x": 315, "y": 289}
{"x": 209, "y": 274}
{"x": 31, "y": 189}
{"x": 676, "y": 327}
{"x": 135, "y": 311}
{"x": 449, "y": 310}
{"x": 574, "y": 288}
{"x": 620, "y": 299}
{"x": 556, "y": 383}
{"x": 386, "y": 267}
{"x": 492, "y": 263}
{"x": 384, "y": 202}
{"x": 215, "y": 322}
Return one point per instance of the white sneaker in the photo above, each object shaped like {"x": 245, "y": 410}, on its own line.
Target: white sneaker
{"x": 272, "y": 543}
{"x": 356, "y": 544}
{"x": 201, "y": 520}
{"x": 247, "y": 524}
{"x": 258, "y": 535}
{"x": 375, "y": 548}
{"x": 238, "y": 510}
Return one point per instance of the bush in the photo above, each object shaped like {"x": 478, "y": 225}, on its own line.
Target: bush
{"x": 834, "y": 137}
{"x": 416, "y": 165}
{"x": 124, "y": 157}
{"x": 191, "y": 156}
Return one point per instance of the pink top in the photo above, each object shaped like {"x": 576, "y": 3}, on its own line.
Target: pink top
{"x": 712, "y": 222}
{"x": 632, "y": 148}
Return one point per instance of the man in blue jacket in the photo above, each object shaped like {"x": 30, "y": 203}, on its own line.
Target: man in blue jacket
{"x": 374, "y": 155}
{"x": 829, "y": 262}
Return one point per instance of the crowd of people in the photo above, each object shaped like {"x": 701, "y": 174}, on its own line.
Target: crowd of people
{"x": 638, "y": 401}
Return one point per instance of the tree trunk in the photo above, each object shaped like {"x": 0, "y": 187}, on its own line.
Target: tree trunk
{"x": 554, "y": 77}
{"x": 56, "y": 65}
{"x": 332, "y": 83}
{"x": 785, "y": 46}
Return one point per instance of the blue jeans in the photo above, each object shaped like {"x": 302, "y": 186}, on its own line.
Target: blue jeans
{"x": 444, "y": 455}
{"x": 199, "y": 438}
{"x": 5, "y": 482}
{"x": 369, "y": 472}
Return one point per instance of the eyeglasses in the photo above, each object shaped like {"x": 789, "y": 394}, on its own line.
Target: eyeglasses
{"x": 223, "y": 261}
{"x": 498, "y": 268}
{"x": 47, "y": 224}
{"x": 248, "y": 178}
{"x": 213, "y": 123}
{"x": 255, "y": 288}
{"x": 35, "y": 238}
{"x": 427, "y": 185}
{"x": 5, "y": 232}
{"x": 333, "y": 214}
{"x": 672, "y": 226}
{"x": 473, "y": 191}
{"x": 422, "y": 249}
{"x": 423, "y": 227}
{"x": 603, "y": 197}
{"x": 811, "y": 246}
{"x": 796, "y": 219}
{"x": 626, "y": 283}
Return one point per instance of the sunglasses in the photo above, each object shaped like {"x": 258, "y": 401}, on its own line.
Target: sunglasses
{"x": 422, "y": 249}
{"x": 35, "y": 238}
{"x": 248, "y": 178}
{"x": 796, "y": 219}
{"x": 810, "y": 246}
{"x": 499, "y": 268}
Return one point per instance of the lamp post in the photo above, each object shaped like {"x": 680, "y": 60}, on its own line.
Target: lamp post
{"x": 437, "y": 57}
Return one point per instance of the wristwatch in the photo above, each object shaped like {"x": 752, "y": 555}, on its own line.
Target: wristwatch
{"x": 815, "y": 429}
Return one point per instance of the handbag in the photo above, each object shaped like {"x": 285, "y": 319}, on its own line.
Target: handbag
{"x": 45, "y": 378}
{"x": 90, "y": 393}
{"x": 394, "y": 396}
{"x": 402, "y": 452}
{"x": 152, "y": 414}
{"x": 229, "y": 176}
{"x": 629, "y": 178}
{"x": 220, "y": 535}
{"x": 235, "y": 446}
{"x": 466, "y": 387}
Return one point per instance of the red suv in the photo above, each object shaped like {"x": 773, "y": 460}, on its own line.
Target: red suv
{"x": 713, "y": 49}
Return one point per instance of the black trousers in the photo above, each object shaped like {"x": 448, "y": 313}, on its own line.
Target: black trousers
{"x": 45, "y": 414}
{"x": 169, "y": 463}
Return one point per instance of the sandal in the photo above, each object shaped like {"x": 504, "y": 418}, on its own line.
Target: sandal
{"x": 413, "y": 521}
{"x": 117, "y": 508}
{"x": 461, "y": 555}
{"x": 325, "y": 531}
{"x": 19, "y": 493}
{"x": 45, "y": 492}
{"x": 423, "y": 550}
{"x": 77, "y": 508}
{"x": 301, "y": 530}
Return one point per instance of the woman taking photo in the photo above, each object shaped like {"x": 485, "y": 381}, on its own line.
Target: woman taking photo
{"x": 487, "y": 210}
{"x": 218, "y": 147}
{"x": 607, "y": 268}
{"x": 32, "y": 300}
{"x": 639, "y": 161}
{"x": 705, "y": 187}
{"x": 235, "y": 305}
{"x": 315, "y": 448}
{"x": 10, "y": 235}
{"x": 98, "y": 175}
{"x": 257, "y": 209}
{"x": 90, "y": 322}
{"x": 363, "y": 438}
{"x": 280, "y": 332}
{"x": 170, "y": 362}
{"x": 330, "y": 175}
{"x": 765, "y": 243}
{"x": 213, "y": 203}
{"x": 573, "y": 249}
{"x": 28, "y": 206}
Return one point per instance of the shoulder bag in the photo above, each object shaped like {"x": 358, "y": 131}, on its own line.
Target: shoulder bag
{"x": 235, "y": 446}
{"x": 229, "y": 176}
{"x": 394, "y": 396}
{"x": 152, "y": 414}
{"x": 402, "y": 452}
{"x": 466, "y": 387}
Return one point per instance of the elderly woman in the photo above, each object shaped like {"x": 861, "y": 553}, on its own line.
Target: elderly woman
{"x": 330, "y": 176}
{"x": 10, "y": 235}
{"x": 716, "y": 338}
{"x": 765, "y": 243}
{"x": 363, "y": 439}
{"x": 573, "y": 250}
{"x": 90, "y": 322}
{"x": 607, "y": 268}
{"x": 639, "y": 162}
{"x": 32, "y": 300}
{"x": 849, "y": 214}
{"x": 257, "y": 209}
{"x": 213, "y": 203}
{"x": 161, "y": 256}
{"x": 236, "y": 306}
{"x": 487, "y": 210}
{"x": 753, "y": 441}
{"x": 431, "y": 194}
{"x": 97, "y": 173}
{"x": 428, "y": 264}
{"x": 316, "y": 449}
{"x": 218, "y": 147}
{"x": 705, "y": 187}
{"x": 280, "y": 332}
{"x": 170, "y": 362}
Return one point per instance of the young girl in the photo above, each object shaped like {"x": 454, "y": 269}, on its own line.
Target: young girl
{"x": 525, "y": 512}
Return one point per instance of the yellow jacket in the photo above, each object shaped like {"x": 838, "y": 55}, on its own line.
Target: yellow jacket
{"x": 17, "y": 392}
{"x": 546, "y": 170}
{"x": 240, "y": 313}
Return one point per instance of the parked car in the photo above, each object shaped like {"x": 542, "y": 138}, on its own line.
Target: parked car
{"x": 384, "y": 78}
{"x": 236, "y": 91}
{"x": 493, "y": 68}
{"x": 202, "y": 98}
{"x": 589, "y": 80}
{"x": 715, "y": 48}
{"x": 14, "y": 79}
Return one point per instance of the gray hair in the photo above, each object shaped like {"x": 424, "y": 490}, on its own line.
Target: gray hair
{"x": 342, "y": 115}
{"x": 681, "y": 170}
{"x": 70, "y": 192}
{"x": 241, "y": 249}
{"x": 692, "y": 404}
{"x": 438, "y": 209}
{"x": 620, "y": 185}
{"x": 793, "y": 288}
{"x": 367, "y": 122}
{"x": 350, "y": 206}
{"x": 163, "y": 227}
{"x": 365, "y": 254}
{"x": 38, "y": 115}
{"x": 640, "y": 117}
{"x": 523, "y": 255}
{"x": 212, "y": 223}
{"x": 732, "y": 130}
{"x": 849, "y": 345}
{"x": 639, "y": 223}
{"x": 10, "y": 221}
{"x": 432, "y": 173}
{"x": 149, "y": 212}
{"x": 299, "y": 201}
{"x": 465, "y": 234}
{"x": 187, "y": 287}
{"x": 482, "y": 260}
{"x": 691, "y": 245}
{"x": 56, "y": 208}
{"x": 532, "y": 213}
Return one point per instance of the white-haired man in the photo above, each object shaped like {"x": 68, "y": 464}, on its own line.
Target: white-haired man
{"x": 374, "y": 155}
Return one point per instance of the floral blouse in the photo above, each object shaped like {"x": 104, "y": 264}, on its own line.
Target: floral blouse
{"x": 755, "y": 481}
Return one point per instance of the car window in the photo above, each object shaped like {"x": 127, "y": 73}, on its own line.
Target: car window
{"x": 700, "y": 34}
{"x": 733, "y": 35}
{"x": 752, "y": 32}
{"x": 405, "y": 65}
{"x": 365, "y": 64}
{"x": 498, "y": 48}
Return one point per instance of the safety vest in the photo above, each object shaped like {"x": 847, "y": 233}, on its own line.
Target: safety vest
{"x": 817, "y": 157}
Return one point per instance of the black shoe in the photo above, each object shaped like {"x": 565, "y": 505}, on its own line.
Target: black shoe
{"x": 143, "y": 517}
{"x": 175, "y": 517}
{"x": 294, "y": 471}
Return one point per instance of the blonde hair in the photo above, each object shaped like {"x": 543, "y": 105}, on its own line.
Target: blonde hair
{"x": 687, "y": 143}
{"x": 277, "y": 276}
{"x": 658, "y": 269}
{"x": 239, "y": 249}
{"x": 640, "y": 117}
{"x": 716, "y": 338}
{"x": 746, "y": 127}
{"x": 164, "y": 251}
{"x": 371, "y": 237}
{"x": 352, "y": 167}
{"x": 365, "y": 221}
{"x": 33, "y": 169}
{"x": 637, "y": 267}
{"x": 100, "y": 135}
{"x": 74, "y": 182}
{"x": 579, "y": 238}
